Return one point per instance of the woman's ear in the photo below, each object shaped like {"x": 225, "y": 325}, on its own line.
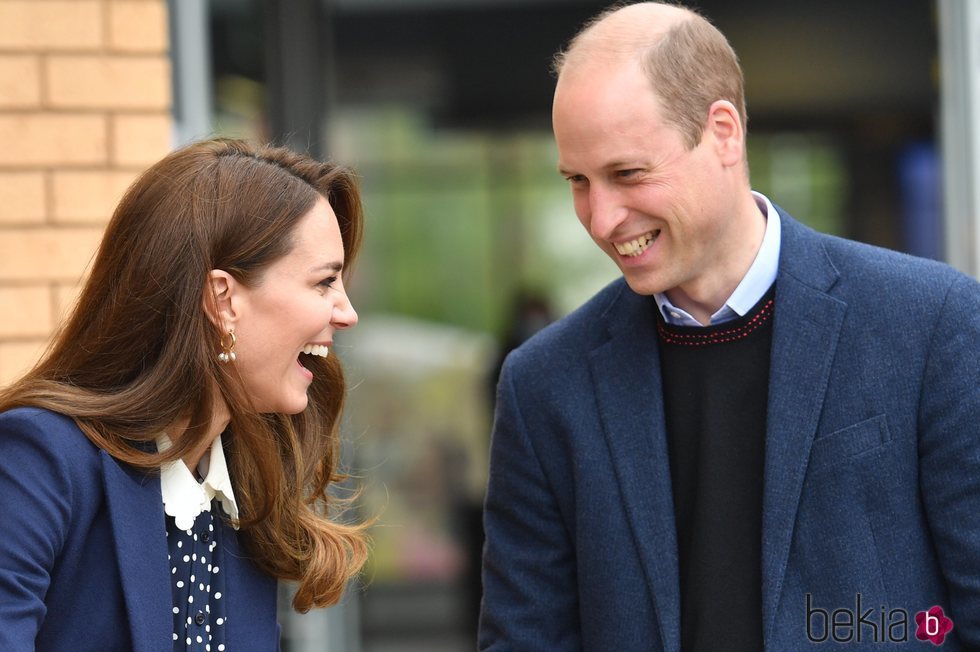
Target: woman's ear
{"x": 220, "y": 299}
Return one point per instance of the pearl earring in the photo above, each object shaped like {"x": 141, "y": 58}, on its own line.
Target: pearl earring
{"x": 228, "y": 348}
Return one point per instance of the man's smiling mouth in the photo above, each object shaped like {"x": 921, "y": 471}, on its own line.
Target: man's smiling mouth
{"x": 636, "y": 247}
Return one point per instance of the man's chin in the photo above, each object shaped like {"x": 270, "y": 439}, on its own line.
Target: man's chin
{"x": 643, "y": 284}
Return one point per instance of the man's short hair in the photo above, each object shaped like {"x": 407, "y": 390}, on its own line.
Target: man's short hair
{"x": 690, "y": 66}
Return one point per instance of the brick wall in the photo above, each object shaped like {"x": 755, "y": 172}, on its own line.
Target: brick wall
{"x": 84, "y": 106}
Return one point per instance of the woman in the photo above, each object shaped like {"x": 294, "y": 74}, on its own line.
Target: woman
{"x": 170, "y": 457}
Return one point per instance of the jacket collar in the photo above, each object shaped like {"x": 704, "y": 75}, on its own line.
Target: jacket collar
{"x": 626, "y": 379}
{"x": 140, "y": 536}
{"x": 806, "y": 329}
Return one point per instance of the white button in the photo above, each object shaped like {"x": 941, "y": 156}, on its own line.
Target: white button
{"x": 675, "y": 315}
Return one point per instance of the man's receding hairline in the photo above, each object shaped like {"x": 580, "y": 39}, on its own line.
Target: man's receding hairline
{"x": 614, "y": 39}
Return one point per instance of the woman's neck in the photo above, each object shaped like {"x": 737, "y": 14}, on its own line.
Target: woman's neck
{"x": 219, "y": 421}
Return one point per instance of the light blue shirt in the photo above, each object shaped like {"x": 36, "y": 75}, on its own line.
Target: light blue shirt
{"x": 753, "y": 285}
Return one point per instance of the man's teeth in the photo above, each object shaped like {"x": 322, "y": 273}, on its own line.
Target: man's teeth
{"x": 638, "y": 246}
{"x": 316, "y": 349}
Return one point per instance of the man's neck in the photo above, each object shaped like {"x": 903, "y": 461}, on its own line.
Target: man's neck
{"x": 703, "y": 299}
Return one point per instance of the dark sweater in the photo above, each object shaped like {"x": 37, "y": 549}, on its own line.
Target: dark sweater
{"x": 715, "y": 382}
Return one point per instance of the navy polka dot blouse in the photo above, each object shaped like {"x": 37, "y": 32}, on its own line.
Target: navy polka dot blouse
{"x": 197, "y": 583}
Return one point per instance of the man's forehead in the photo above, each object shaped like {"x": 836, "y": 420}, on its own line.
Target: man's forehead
{"x": 608, "y": 70}
{"x": 610, "y": 93}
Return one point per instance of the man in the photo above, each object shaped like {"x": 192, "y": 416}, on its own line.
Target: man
{"x": 761, "y": 437}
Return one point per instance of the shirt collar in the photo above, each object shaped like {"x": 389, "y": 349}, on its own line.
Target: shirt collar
{"x": 752, "y": 287}
{"x": 184, "y": 497}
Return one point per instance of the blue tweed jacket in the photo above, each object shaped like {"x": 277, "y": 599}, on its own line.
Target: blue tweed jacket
{"x": 872, "y": 470}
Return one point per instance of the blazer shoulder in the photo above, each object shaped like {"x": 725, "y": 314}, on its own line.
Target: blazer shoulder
{"x": 54, "y": 438}
{"x": 894, "y": 277}
{"x": 44, "y": 423}
{"x": 866, "y": 274}
{"x": 576, "y": 333}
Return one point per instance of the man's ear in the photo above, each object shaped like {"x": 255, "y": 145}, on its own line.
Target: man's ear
{"x": 727, "y": 132}
{"x": 221, "y": 299}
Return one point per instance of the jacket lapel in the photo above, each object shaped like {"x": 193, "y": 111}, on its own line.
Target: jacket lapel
{"x": 626, "y": 377}
{"x": 806, "y": 328}
{"x": 140, "y": 534}
{"x": 251, "y": 596}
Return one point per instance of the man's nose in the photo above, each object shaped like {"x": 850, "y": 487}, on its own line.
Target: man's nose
{"x": 607, "y": 211}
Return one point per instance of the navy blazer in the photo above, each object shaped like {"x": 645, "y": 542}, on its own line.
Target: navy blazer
{"x": 872, "y": 465}
{"x": 83, "y": 555}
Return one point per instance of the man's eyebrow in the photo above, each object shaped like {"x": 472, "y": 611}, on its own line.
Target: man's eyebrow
{"x": 624, "y": 163}
{"x": 611, "y": 165}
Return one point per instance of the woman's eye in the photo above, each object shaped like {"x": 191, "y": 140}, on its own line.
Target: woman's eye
{"x": 327, "y": 282}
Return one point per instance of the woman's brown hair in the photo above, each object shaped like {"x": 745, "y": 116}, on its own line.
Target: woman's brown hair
{"x": 139, "y": 354}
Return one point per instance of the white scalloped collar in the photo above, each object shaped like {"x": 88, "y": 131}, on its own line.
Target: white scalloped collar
{"x": 184, "y": 497}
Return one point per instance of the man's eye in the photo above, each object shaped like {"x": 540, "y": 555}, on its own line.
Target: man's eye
{"x": 575, "y": 178}
{"x": 625, "y": 174}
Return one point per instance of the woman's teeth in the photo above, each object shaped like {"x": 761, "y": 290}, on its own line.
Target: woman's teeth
{"x": 316, "y": 349}
{"x": 636, "y": 247}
